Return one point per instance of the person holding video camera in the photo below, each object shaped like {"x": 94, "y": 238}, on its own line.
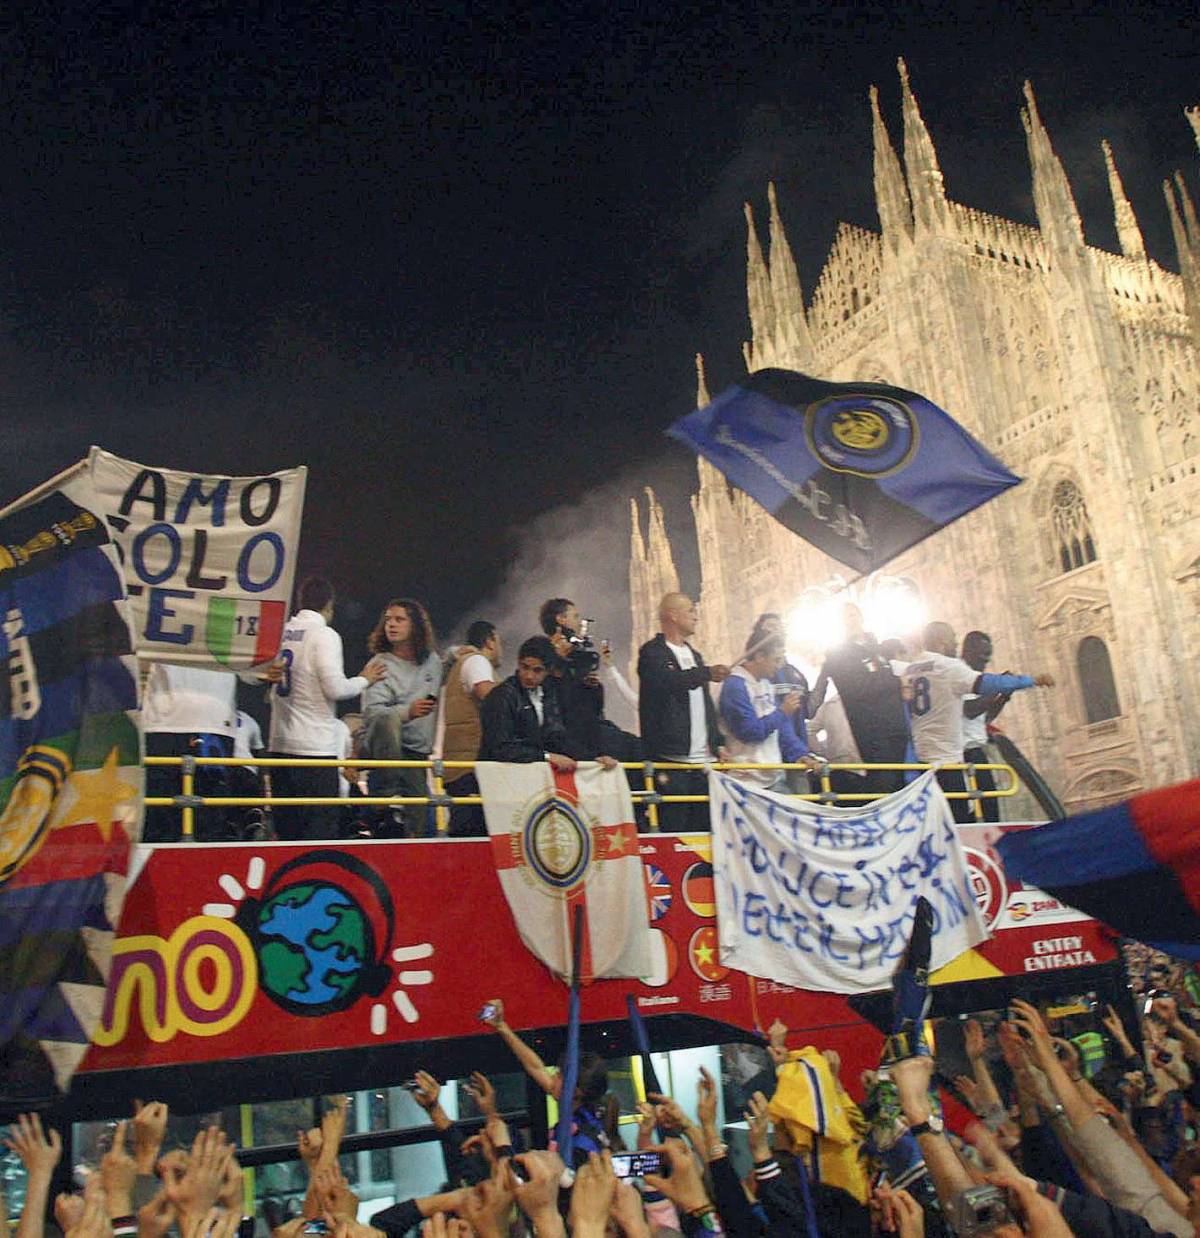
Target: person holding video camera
{"x": 398, "y": 711}
{"x": 580, "y": 692}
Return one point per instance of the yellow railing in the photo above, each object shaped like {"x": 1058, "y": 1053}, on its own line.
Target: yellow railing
{"x": 187, "y": 801}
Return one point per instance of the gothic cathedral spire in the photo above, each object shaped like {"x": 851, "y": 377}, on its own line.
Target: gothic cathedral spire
{"x": 1187, "y": 246}
{"x": 758, "y": 297}
{"x": 925, "y": 184}
{"x": 891, "y": 193}
{"x": 793, "y": 345}
{"x": 1058, "y": 216}
{"x": 1193, "y": 114}
{"x": 1128, "y": 232}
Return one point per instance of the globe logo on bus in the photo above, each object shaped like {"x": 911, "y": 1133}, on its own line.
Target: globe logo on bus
{"x": 314, "y": 946}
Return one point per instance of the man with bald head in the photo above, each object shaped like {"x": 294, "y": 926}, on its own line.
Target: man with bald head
{"x": 938, "y": 681}
{"x": 679, "y": 720}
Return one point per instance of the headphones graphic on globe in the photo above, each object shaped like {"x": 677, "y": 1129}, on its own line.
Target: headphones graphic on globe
{"x": 370, "y": 909}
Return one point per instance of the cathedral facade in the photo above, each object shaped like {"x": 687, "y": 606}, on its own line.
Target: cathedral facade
{"x": 1079, "y": 369}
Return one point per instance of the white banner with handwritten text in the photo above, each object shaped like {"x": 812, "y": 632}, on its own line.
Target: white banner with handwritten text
{"x": 822, "y": 897}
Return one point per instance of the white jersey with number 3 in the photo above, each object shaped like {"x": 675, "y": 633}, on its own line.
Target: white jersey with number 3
{"x": 939, "y": 684}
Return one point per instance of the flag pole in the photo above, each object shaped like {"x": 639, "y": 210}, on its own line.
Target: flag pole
{"x": 641, "y": 1040}
{"x": 566, "y": 1098}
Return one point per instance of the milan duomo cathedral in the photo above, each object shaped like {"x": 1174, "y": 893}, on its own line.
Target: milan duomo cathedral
{"x": 1078, "y": 369}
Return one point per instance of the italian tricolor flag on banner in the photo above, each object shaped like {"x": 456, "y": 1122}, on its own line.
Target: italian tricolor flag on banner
{"x": 238, "y": 628}
{"x": 567, "y": 840}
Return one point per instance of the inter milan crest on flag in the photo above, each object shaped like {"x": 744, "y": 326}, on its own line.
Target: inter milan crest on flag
{"x": 70, "y": 785}
{"x": 567, "y": 841}
{"x": 863, "y": 471}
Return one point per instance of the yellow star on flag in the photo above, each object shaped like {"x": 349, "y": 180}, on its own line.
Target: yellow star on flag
{"x": 98, "y": 796}
{"x": 704, "y": 953}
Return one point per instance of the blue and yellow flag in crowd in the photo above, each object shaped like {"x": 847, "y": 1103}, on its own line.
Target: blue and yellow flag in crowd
{"x": 863, "y": 471}
{"x": 70, "y": 786}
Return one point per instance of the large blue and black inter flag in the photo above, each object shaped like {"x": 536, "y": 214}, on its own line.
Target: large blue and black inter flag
{"x": 863, "y": 471}
{"x": 1134, "y": 865}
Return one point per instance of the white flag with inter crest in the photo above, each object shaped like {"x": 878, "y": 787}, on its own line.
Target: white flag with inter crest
{"x": 563, "y": 841}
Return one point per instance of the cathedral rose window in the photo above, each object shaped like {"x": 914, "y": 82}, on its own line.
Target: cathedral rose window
{"x": 1072, "y": 527}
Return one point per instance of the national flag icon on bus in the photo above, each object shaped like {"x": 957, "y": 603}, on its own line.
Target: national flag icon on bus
{"x": 658, "y": 889}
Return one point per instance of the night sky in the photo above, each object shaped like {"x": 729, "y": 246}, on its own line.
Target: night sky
{"x": 459, "y": 266}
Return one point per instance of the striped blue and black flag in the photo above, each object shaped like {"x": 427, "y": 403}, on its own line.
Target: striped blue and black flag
{"x": 863, "y": 471}
{"x": 1135, "y": 866}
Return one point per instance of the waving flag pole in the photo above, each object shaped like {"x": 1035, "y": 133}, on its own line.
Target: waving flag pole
{"x": 564, "y": 1136}
{"x": 641, "y": 1041}
{"x": 862, "y": 471}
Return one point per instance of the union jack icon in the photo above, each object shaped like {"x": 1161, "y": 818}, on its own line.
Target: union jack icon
{"x": 659, "y": 890}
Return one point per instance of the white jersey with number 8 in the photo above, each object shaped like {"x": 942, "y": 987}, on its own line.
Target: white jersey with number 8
{"x": 938, "y": 686}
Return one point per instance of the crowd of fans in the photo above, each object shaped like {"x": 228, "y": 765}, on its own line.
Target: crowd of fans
{"x": 1074, "y": 1130}
{"x": 875, "y": 702}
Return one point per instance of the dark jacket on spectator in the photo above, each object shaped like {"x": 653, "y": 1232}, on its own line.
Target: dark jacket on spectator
{"x": 663, "y": 704}
{"x": 511, "y": 731}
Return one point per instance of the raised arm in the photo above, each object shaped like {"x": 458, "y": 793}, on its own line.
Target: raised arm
{"x": 548, "y": 1080}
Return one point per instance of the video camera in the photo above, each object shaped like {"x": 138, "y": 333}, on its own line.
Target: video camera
{"x": 584, "y": 658}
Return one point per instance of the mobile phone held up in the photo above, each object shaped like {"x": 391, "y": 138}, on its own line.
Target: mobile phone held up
{"x": 315, "y": 1226}
{"x": 487, "y": 1012}
{"x": 638, "y": 1164}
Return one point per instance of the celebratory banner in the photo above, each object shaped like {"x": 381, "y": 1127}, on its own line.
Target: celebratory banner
{"x": 209, "y": 561}
{"x": 822, "y": 897}
{"x": 70, "y": 785}
{"x": 567, "y": 840}
{"x": 863, "y": 471}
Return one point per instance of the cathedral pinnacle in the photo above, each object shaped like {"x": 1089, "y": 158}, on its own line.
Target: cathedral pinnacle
{"x": 925, "y": 184}
{"x": 1193, "y": 114}
{"x": 1187, "y": 246}
{"x": 891, "y": 193}
{"x": 1058, "y": 216}
{"x": 702, "y": 396}
{"x": 758, "y": 292}
{"x": 793, "y": 345}
{"x": 637, "y": 546}
{"x": 1128, "y": 232}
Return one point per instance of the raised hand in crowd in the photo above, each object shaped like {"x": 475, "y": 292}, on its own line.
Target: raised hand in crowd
{"x": 647, "y": 1124}
{"x": 154, "y": 1219}
{"x": 486, "y": 1205}
{"x": 39, "y": 1152}
{"x": 93, "y": 1220}
{"x": 537, "y": 1197}
{"x": 482, "y": 1092}
{"x": 684, "y": 1184}
{"x": 149, "y": 1129}
{"x": 899, "y": 1213}
{"x": 117, "y": 1173}
{"x": 194, "y": 1189}
{"x": 428, "y": 1094}
{"x": 758, "y": 1128}
{"x": 592, "y": 1196}
{"x": 336, "y": 1199}
{"x": 777, "y": 1041}
{"x": 628, "y": 1212}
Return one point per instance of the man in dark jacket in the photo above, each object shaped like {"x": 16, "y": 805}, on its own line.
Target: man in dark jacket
{"x": 521, "y": 718}
{"x": 678, "y": 719}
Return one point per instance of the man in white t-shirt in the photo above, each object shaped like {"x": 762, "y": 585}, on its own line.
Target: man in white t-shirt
{"x": 678, "y": 718}
{"x": 188, "y": 711}
{"x": 938, "y": 681}
{"x": 304, "y": 711}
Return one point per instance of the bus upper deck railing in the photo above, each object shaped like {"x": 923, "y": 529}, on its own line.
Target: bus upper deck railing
{"x": 188, "y": 801}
